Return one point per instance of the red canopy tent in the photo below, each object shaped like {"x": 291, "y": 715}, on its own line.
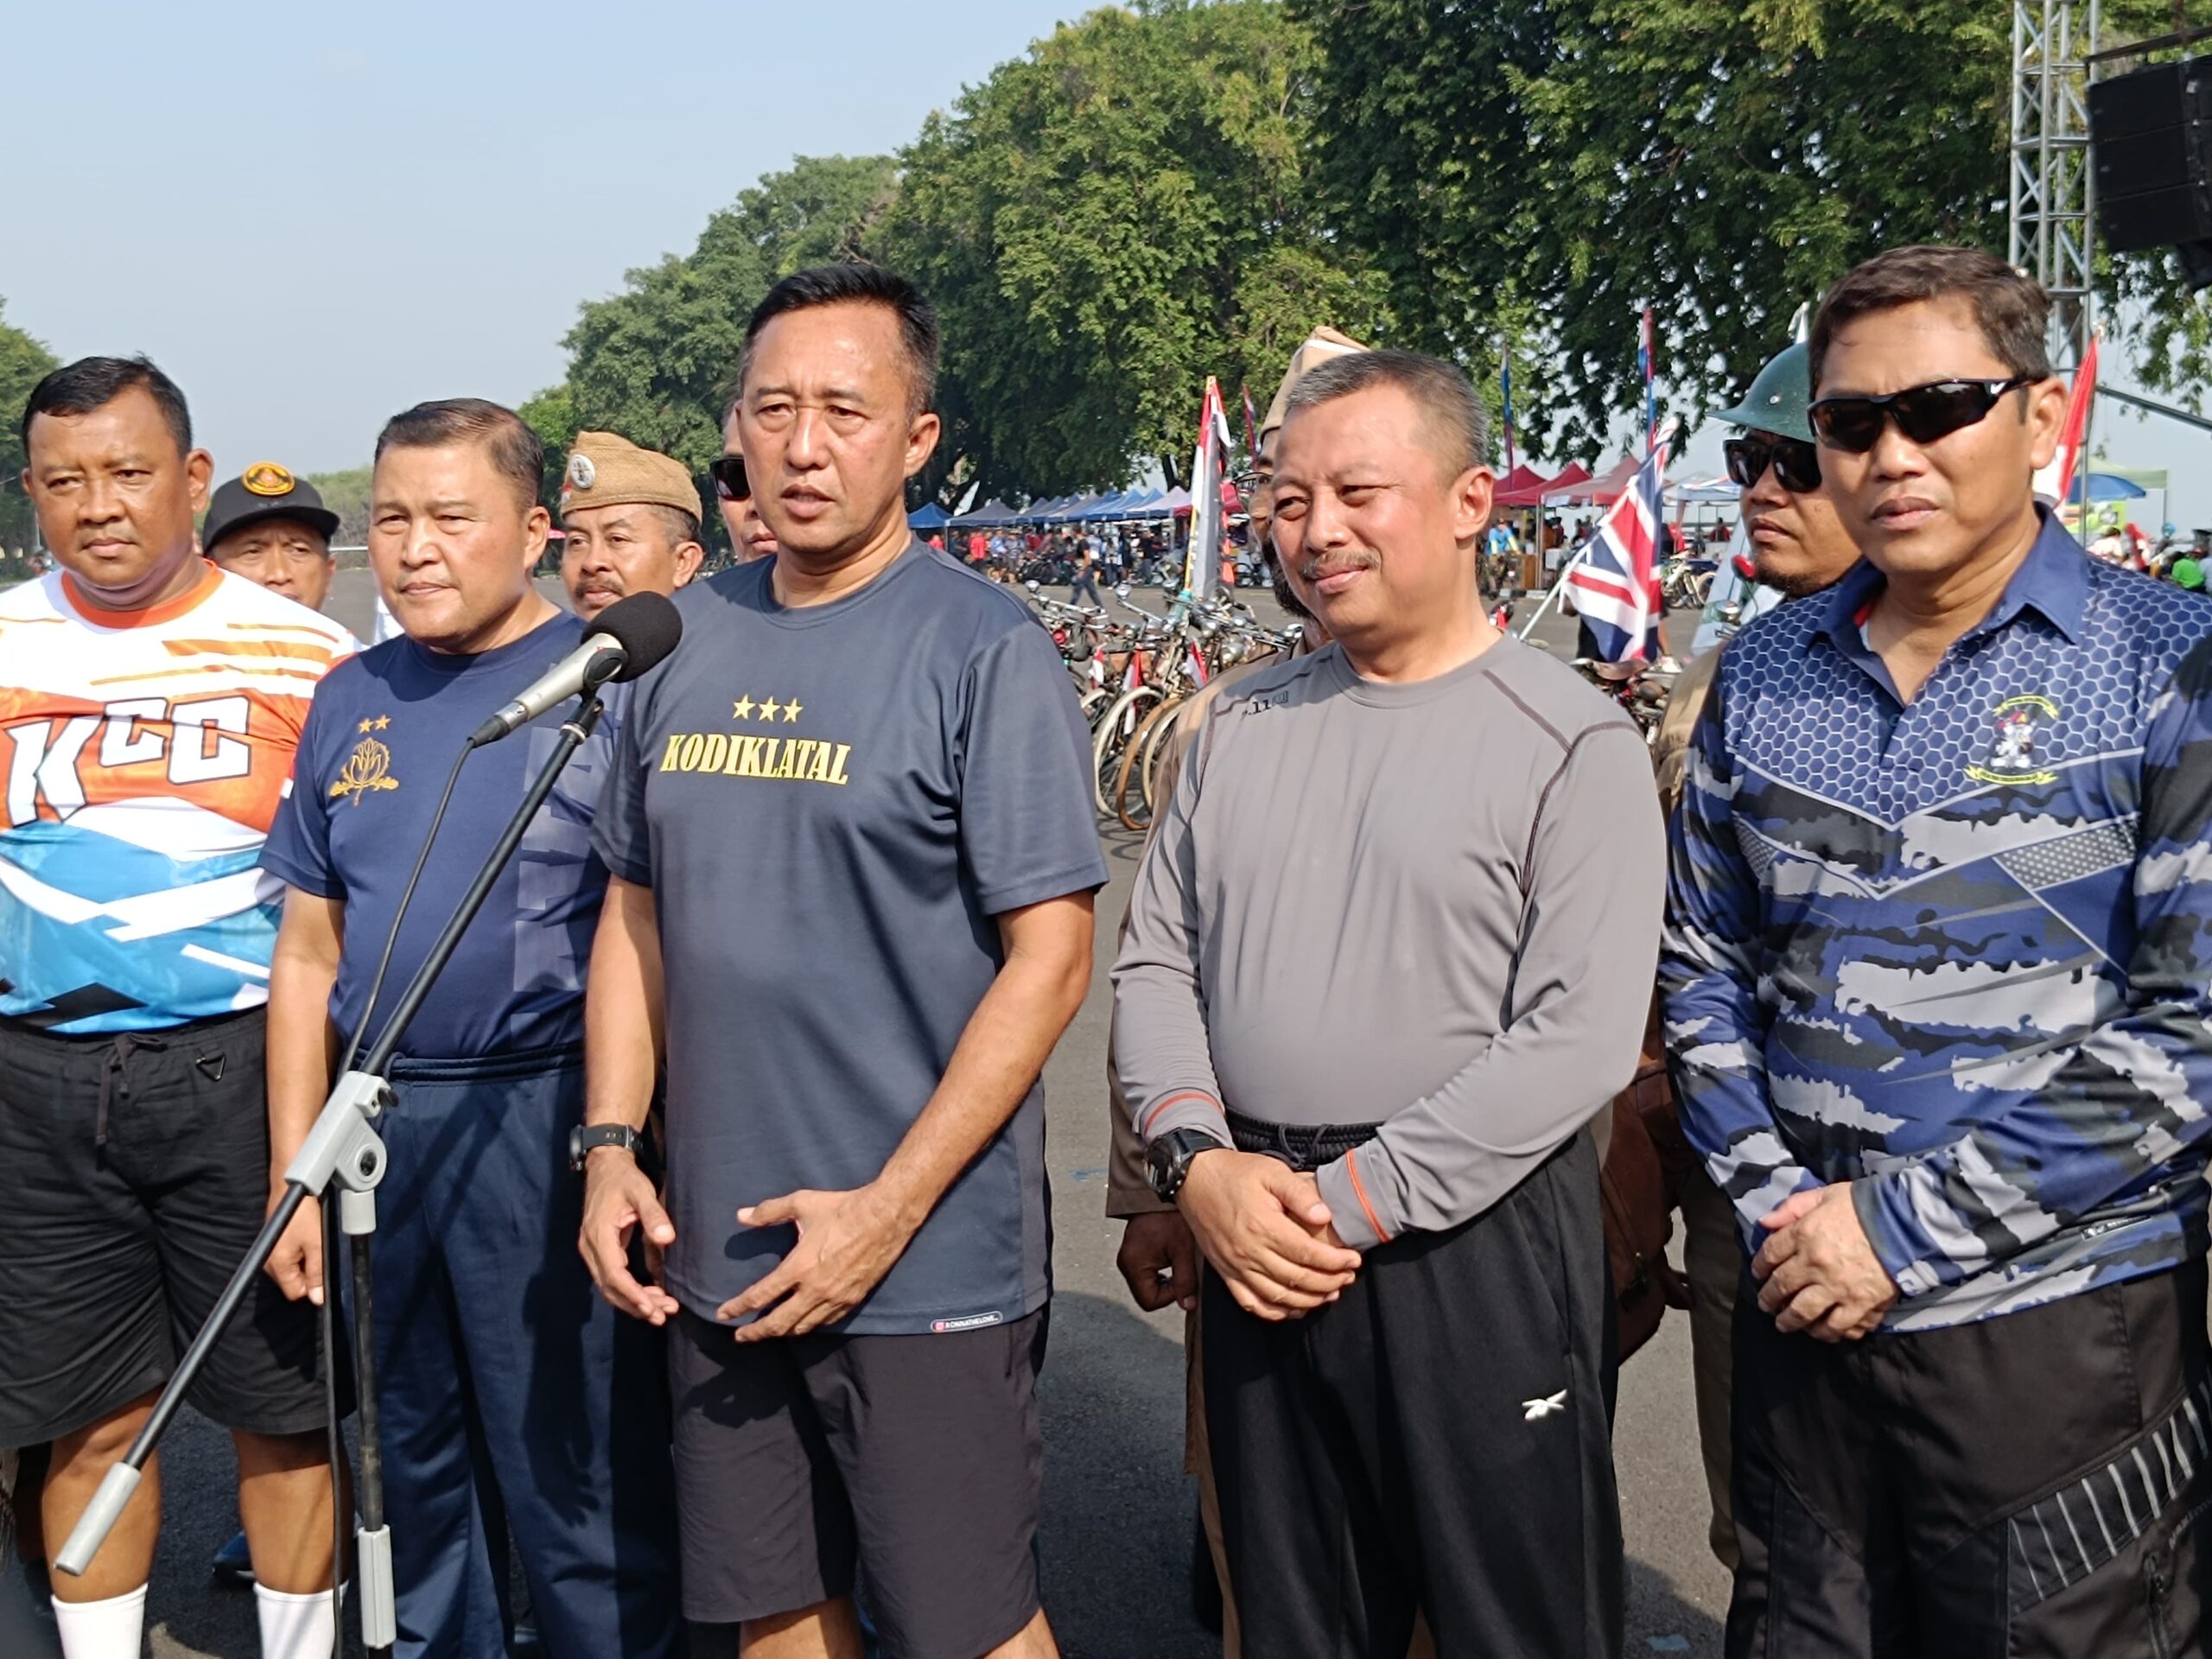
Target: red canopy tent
{"x": 1573, "y": 473}
{"x": 1524, "y": 486}
{"x": 1603, "y": 490}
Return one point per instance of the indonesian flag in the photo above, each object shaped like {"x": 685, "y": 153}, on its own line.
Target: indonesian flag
{"x": 1615, "y": 584}
{"x": 2055, "y": 483}
{"x": 1209, "y": 471}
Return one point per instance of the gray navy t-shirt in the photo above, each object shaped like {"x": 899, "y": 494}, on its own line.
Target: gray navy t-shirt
{"x": 831, "y": 805}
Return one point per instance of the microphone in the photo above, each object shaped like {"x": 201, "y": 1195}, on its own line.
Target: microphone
{"x": 627, "y": 637}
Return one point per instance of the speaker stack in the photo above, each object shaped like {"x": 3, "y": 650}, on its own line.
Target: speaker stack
{"x": 2152, "y": 137}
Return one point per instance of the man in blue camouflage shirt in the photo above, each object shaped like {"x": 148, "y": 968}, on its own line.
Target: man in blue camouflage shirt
{"x": 1935, "y": 987}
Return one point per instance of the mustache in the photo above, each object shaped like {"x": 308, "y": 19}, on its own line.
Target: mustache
{"x": 1336, "y": 564}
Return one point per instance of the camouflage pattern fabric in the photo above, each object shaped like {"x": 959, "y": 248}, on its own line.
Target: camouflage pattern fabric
{"x": 1959, "y": 951}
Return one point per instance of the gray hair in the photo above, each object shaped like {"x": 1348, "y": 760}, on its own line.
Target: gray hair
{"x": 1453, "y": 421}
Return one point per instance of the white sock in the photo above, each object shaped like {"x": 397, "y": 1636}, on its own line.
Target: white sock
{"x": 292, "y": 1626}
{"x": 102, "y": 1630}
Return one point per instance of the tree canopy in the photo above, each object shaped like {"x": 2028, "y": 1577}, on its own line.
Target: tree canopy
{"x": 1105, "y": 221}
{"x": 1537, "y": 171}
{"x": 23, "y": 363}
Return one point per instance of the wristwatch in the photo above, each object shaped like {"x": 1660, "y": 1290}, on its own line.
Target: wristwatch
{"x": 586, "y": 1138}
{"x": 1167, "y": 1160}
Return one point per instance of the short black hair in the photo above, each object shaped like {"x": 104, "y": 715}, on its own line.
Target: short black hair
{"x": 681, "y": 526}
{"x": 93, "y": 383}
{"x": 515, "y": 449}
{"x": 855, "y": 283}
{"x": 2012, "y": 310}
{"x": 1458, "y": 426}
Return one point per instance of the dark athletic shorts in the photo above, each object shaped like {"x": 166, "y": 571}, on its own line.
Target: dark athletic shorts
{"x": 134, "y": 1175}
{"x": 920, "y": 1455}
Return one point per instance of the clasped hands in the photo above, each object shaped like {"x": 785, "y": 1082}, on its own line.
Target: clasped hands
{"x": 847, "y": 1243}
{"x": 1263, "y": 1228}
{"x": 1817, "y": 1271}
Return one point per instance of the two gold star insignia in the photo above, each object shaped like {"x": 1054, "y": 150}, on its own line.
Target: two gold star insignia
{"x": 376, "y": 725}
{"x": 743, "y": 708}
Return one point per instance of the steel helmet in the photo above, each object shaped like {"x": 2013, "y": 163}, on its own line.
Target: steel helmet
{"x": 1775, "y": 402}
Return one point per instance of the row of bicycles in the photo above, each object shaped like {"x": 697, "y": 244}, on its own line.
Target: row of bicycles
{"x": 1136, "y": 671}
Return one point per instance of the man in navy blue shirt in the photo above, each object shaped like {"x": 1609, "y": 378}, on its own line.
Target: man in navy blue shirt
{"x": 853, "y": 860}
{"x": 1938, "y": 990}
{"x": 512, "y": 1398}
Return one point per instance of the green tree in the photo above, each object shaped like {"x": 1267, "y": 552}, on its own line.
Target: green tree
{"x": 1574, "y": 161}
{"x": 23, "y": 363}
{"x": 1106, "y": 221}
{"x": 655, "y": 362}
{"x": 346, "y": 494}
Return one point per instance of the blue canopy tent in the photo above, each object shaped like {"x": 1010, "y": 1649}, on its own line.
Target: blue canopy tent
{"x": 1146, "y": 504}
{"x": 1067, "y": 512}
{"x": 2110, "y": 486}
{"x": 1108, "y": 508}
{"x": 994, "y": 514}
{"x": 929, "y": 516}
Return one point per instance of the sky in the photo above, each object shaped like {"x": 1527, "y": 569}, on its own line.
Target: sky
{"x": 315, "y": 216}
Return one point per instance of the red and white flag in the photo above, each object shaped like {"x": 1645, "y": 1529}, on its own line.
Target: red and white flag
{"x": 1209, "y": 469}
{"x": 2055, "y": 483}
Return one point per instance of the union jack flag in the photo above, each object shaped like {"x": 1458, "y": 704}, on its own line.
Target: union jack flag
{"x": 1615, "y": 584}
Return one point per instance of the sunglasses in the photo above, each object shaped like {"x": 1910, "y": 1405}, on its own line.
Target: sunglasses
{"x": 730, "y": 482}
{"x": 1796, "y": 464}
{"x": 1923, "y": 414}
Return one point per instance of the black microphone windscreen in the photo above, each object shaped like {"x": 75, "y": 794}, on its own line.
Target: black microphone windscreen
{"x": 647, "y": 626}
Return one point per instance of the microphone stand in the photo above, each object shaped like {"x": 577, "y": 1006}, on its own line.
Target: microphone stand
{"x": 342, "y": 1150}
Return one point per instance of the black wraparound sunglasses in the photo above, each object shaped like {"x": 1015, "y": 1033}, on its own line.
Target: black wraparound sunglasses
{"x": 728, "y": 473}
{"x": 1796, "y": 464}
{"x": 1923, "y": 414}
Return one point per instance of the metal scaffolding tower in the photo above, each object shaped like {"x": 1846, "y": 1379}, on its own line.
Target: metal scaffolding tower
{"x": 2053, "y": 195}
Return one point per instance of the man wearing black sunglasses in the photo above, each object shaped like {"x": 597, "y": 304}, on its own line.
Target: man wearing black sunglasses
{"x": 1798, "y": 549}
{"x": 1939, "y": 983}
{"x": 750, "y": 538}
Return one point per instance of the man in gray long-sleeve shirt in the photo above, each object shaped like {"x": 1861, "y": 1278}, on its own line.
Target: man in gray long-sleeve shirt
{"x": 1397, "y": 928}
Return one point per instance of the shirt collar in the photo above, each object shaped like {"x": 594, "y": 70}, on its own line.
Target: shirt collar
{"x": 2053, "y": 581}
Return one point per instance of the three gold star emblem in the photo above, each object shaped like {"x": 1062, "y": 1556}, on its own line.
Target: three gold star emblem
{"x": 768, "y": 708}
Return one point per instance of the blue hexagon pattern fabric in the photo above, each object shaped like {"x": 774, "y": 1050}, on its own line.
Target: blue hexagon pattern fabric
{"x": 1959, "y": 950}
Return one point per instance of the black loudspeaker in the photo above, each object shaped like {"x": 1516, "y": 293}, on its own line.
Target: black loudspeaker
{"x": 2152, "y": 137}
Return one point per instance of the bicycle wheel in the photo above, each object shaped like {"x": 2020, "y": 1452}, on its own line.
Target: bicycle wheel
{"x": 1115, "y": 727}
{"x": 1133, "y": 777}
{"x": 1094, "y": 701}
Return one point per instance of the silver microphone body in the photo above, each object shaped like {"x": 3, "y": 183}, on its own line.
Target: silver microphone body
{"x": 590, "y": 664}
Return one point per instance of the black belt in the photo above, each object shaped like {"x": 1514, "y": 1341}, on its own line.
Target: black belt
{"x": 1302, "y": 1146}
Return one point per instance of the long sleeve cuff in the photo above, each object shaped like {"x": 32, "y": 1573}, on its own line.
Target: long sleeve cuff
{"x": 1895, "y": 1208}
{"x": 1182, "y": 1108}
{"x": 1350, "y": 1201}
{"x": 1127, "y": 1203}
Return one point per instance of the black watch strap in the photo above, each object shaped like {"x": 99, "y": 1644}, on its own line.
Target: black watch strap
{"x": 1167, "y": 1160}
{"x": 586, "y": 1138}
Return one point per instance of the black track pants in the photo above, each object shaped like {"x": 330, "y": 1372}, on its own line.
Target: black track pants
{"x": 1437, "y": 1440}
{"x": 2033, "y": 1486}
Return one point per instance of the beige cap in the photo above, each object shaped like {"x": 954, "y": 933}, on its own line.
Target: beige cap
{"x": 605, "y": 470}
{"x": 1320, "y": 346}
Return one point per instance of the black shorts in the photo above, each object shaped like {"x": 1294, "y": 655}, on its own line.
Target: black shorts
{"x": 134, "y": 1175}
{"x": 918, "y": 1456}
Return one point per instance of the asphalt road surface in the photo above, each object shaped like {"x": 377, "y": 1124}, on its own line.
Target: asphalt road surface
{"x": 1118, "y": 1511}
